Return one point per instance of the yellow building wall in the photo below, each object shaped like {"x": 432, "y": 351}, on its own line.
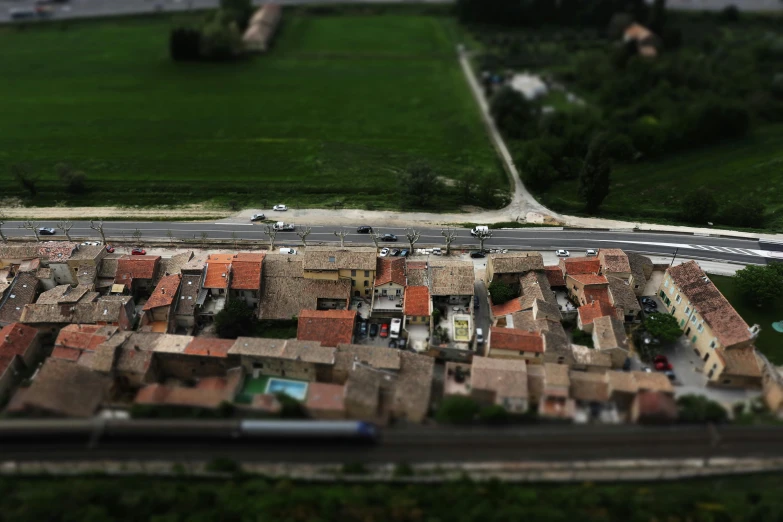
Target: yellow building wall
{"x": 688, "y": 317}
{"x": 360, "y": 281}
{"x": 530, "y": 357}
{"x": 326, "y": 275}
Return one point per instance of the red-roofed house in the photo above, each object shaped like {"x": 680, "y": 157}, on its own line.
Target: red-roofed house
{"x": 591, "y": 311}
{"x": 585, "y": 288}
{"x": 136, "y": 273}
{"x": 20, "y": 349}
{"x": 158, "y": 310}
{"x": 201, "y": 357}
{"x": 580, "y": 265}
{"x": 246, "y": 269}
{"x": 554, "y": 275}
{"x": 417, "y": 305}
{"x": 513, "y": 343}
{"x": 329, "y": 327}
{"x": 390, "y": 282}
{"x": 77, "y": 340}
{"x": 325, "y": 401}
{"x": 209, "y": 347}
{"x": 218, "y": 273}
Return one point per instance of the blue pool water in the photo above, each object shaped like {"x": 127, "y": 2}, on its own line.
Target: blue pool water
{"x": 294, "y": 389}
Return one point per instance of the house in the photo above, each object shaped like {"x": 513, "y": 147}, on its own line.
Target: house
{"x": 61, "y": 389}
{"x": 505, "y": 379}
{"x": 580, "y": 265}
{"x": 592, "y": 394}
{"x": 329, "y": 327}
{"x": 209, "y": 393}
{"x": 136, "y": 274}
{"x": 389, "y": 287}
{"x": 305, "y": 360}
{"x": 245, "y": 286}
{"x": 417, "y": 305}
{"x": 368, "y": 395}
{"x": 609, "y": 338}
{"x": 624, "y": 388}
{"x": 45, "y": 279}
{"x": 173, "y": 265}
{"x": 585, "y": 288}
{"x": 79, "y": 341}
{"x": 107, "y": 272}
{"x": 509, "y": 267}
{"x": 452, "y": 283}
{"x": 591, "y": 311}
{"x": 325, "y": 401}
{"x": 614, "y": 262}
{"x": 653, "y": 381}
{"x": 554, "y": 401}
{"x": 555, "y": 276}
{"x": 128, "y": 359}
{"x": 67, "y": 295}
{"x": 21, "y": 292}
{"x": 714, "y": 330}
{"x": 532, "y": 286}
{"x": 84, "y": 263}
{"x": 512, "y": 343}
{"x": 186, "y": 357}
{"x": 348, "y": 356}
{"x": 55, "y": 255}
{"x": 190, "y": 288}
{"x": 650, "y": 407}
{"x": 624, "y": 299}
{"x": 261, "y": 28}
{"x": 413, "y": 388}
{"x": 588, "y": 360}
{"x": 13, "y": 254}
{"x": 20, "y": 351}
{"x": 159, "y": 308}
{"x": 417, "y": 273}
{"x": 357, "y": 265}
{"x": 214, "y": 288}
{"x": 641, "y": 271}
{"x": 107, "y": 310}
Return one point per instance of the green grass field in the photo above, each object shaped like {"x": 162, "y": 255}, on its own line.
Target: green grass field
{"x": 653, "y": 189}
{"x": 338, "y": 106}
{"x": 769, "y": 342}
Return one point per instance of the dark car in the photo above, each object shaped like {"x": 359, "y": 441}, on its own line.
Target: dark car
{"x": 394, "y": 252}
{"x": 46, "y": 231}
{"x": 650, "y": 310}
{"x": 477, "y": 255}
{"x": 373, "y": 329}
{"x": 404, "y": 252}
{"x": 363, "y": 329}
{"x": 388, "y": 237}
{"x": 648, "y": 301}
{"x": 364, "y": 229}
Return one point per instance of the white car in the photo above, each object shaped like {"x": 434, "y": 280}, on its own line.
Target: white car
{"x": 291, "y": 251}
{"x": 90, "y": 243}
{"x": 384, "y": 252}
{"x": 258, "y": 217}
{"x": 280, "y": 208}
{"x": 591, "y": 252}
{"x": 563, "y": 253}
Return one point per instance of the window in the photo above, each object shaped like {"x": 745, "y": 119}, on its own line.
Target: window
{"x": 399, "y": 292}
{"x": 682, "y": 322}
{"x": 666, "y": 283}
{"x": 693, "y": 339}
{"x": 693, "y": 318}
{"x": 353, "y": 282}
{"x": 687, "y": 310}
{"x": 258, "y": 366}
{"x": 678, "y": 298}
{"x": 671, "y": 291}
{"x": 700, "y": 328}
{"x": 712, "y": 344}
{"x": 662, "y": 294}
{"x": 366, "y": 283}
{"x": 332, "y": 259}
{"x": 353, "y": 273}
{"x": 221, "y": 291}
{"x": 366, "y": 273}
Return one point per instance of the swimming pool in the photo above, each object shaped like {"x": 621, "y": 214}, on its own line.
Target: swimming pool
{"x": 294, "y": 389}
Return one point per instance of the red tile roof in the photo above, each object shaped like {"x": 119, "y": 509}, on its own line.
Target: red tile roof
{"x": 555, "y": 275}
{"x": 82, "y": 336}
{"x": 594, "y": 310}
{"x": 515, "y": 339}
{"x": 246, "y": 271}
{"x": 589, "y": 279}
{"x": 68, "y": 354}
{"x": 218, "y": 268}
{"x": 330, "y": 327}
{"x": 597, "y": 293}
{"x": 417, "y": 301}
{"x": 210, "y": 347}
{"x": 580, "y": 265}
{"x": 325, "y": 396}
{"x": 135, "y": 267}
{"x": 164, "y": 293}
{"x": 390, "y": 270}
{"x": 15, "y": 339}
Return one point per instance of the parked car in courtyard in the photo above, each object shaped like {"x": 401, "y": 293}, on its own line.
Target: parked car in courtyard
{"x": 289, "y": 251}
{"x": 591, "y": 252}
{"x": 373, "y": 329}
{"x": 404, "y": 252}
{"x": 478, "y": 254}
{"x": 395, "y": 252}
{"x": 91, "y": 243}
{"x": 384, "y": 330}
{"x": 363, "y": 329}
{"x": 110, "y": 249}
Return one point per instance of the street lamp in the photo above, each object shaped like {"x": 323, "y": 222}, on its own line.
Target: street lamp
{"x": 675, "y": 256}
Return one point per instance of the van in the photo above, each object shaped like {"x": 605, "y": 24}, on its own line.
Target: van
{"x": 394, "y": 331}
{"x": 479, "y": 336}
{"x": 481, "y": 229}
{"x": 291, "y": 251}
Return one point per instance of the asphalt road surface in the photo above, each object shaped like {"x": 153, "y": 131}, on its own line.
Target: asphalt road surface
{"x": 744, "y": 251}
{"x": 534, "y": 443}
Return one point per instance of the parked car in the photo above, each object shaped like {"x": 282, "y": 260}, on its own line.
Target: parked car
{"x": 258, "y": 217}
{"x": 289, "y": 251}
{"x": 363, "y": 329}
{"x": 393, "y": 343}
{"x": 384, "y": 252}
{"x": 364, "y": 229}
{"x": 649, "y": 301}
{"x": 46, "y": 231}
{"x": 138, "y": 252}
{"x": 404, "y": 252}
{"x": 110, "y": 249}
{"x": 476, "y": 304}
{"x": 563, "y": 253}
{"x": 650, "y": 310}
{"x": 670, "y": 374}
{"x": 373, "y": 329}
{"x": 388, "y": 237}
{"x": 660, "y": 358}
{"x": 477, "y": 254}
{"x": 479, "y": 336}
{"x": 91, "y": 243}
{"x": 384, "y": 330}
{"x": 437, "y": 251}
{"x": 280, "y": 208}
{"x": 591, "y": 252}
{"x": 395, "y": 252}
{"x": 662, "y": 364}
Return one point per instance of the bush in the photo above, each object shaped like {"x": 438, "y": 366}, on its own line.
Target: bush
{"x": 582, "y": 337}
{"x": 235, "y": 320}
{"x": 730, "y": 14}
{"x": 663, "y": 327}
{"x": 457, "y": 409}
{"x": 403, "y": 469}
{"x": 494, "y": 414}
{"x": 699, "y": 206}
{"x": 185, "y": 44}
{"x": 747, "y": 212}
{"x": 761, "y": 285}
{"x": 354, "y": 468}
{"x": 512, "y": 113}
{"x": 224, "y": 465}
{"x": 501, "y": 292}
{"x": 695, "y": 409}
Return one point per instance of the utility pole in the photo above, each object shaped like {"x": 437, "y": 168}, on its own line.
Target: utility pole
{"x": 675, "y": 256}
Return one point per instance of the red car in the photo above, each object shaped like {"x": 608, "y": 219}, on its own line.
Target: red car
{"x": 662, "y": 363}
{"x": 384, "y": 330}
{"x": 138, "y": 252}
{"x": 110, "y": 249}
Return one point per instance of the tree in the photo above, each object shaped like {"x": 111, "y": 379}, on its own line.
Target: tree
{"x": 748, "y": 211}
{"x": 240, "y": 10}
{"x": 418, "y": 185}
{"x": 204, "y": 237}
{"x": 657, "y": 20}
{"x": 449, "y": 236}
{"x": 170, "y": 235}
{"x": 494, "y": 414}
{"x": 185, "y": 44}
{"x": 595, "y": 175}
{"x": 303, "y": 232}
{"x": 664, "y": 327}
{"x": 234, "y": 239}
{"x": 761, "y": 285}
{"x": 220, "y": 41}
{"x": 24, "y": 177}
{"x": 512, "y": 113}
{"x": 341, "y": 234}
{"x": 234, "y": 320}
{"x": 65, "y": 225}
{"x": 730, "y": 13}
{"x": 99, "y": 228}
{"x": 376, "y": 237}
{"x": 699, "y": 206}
{"x": 74, "y": 181}
{"x": 482, "y": 235}
{"x": 412, "y": 236}
{"x": 2, "y": 222}
{"x": 700, "y": 409}
{"x": 271, "y": 233}
{"x": 137, "y": 237}
{"x": 457, "y": 409}
{"x": 501, "y": 292}
{"x": 31, "y": 225}
{"x": 536, "y": 168}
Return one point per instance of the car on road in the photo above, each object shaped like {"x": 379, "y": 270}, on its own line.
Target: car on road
{"x": 388, "y": 237}
{"x": 404, "y": 252}
{"x": 590, "y": 252}
{"x": 91, "y": 243}
{"x": 258, "y": 217}
{"x": 138, "y": 252}
{"x": 289, "y": 251}
{"x": 364, "y": 229}
{"x": 395, "y": 252}
{"x": 563, "y": 253}
{"x": 384, "y": 330}
{"x": 46, "y": 231}
{"x": 482, "y": 230}
{"x": 110, "y": 249}
{"x": 384, "y": 252}
{"x": 282, "y": 226}
{"x": 478, "y": 254}
{"x": 373, "y": 329}
{"x": 280, "y": 208}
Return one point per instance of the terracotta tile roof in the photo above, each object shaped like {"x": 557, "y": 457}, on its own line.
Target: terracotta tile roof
{"x": 30, "y": 265}
{"x": 412, "y": 392}
{"x": 653, "y": 381}
{"x": 329, "y": 327}
{"x": 623, "y": 296}
{"x": 516, "y": 262}
{"x": 514, "y": 339}
{"x": 591, "y": 311}
{"x": 218, "y": 271}
{"x": 522, "y": 321}
{"x": 209, "y": 347}
{"x": 136, "y": 267}
{"x": 641, "y": 268}
{"x": 580, "y": 265}
{"x": 324, "y": 396}
{"x": 555, "y": 275}
{"x": 509, "y": 307}
{"x": 14, "y": 251}
{"x": 196, "y": 263}
{"x": 21, "y": 293}
{"x": 170, "y": 343}
{"x": 417, "y": 301}
{"x": 589, "y": 279}
{"x": 86, "y": 274}
{"x": 282, "y": 265}
{"x": 190, "y": 286}
{"x": 543, "y": 309}
{"x": 246, "y": 271}
{"x": 390, "y": 270}
{"x": 330, "y": 258}
{"x": 724, "y": 321}
{"x": 305, "y": 351}
{"x": 452, "y": 278}
{"x": 83, "y": 336}
{"x": 285, "y": 297}
{"x": 609, "y": 332}
{"x": 740, "y": 361}
{"x": 535, "y": 285}
{"x": 132, "y": 361}
{"x": 590, "y": 387}
{"x": 15, "y": 340}
{"x": 63, "y": 294}
{"x": 597, "y": 293}
{"x": 506, "y": 377}
{"x": 165, "y": 293}
{"x": 56, "y": 251}
{"x": 209, "y": 393}
{"x": 108, "y": 266}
